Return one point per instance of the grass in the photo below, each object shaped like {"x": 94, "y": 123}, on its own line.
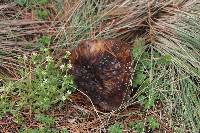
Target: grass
{"x": 166, "y": 73}
{"x": 184, "y": 49}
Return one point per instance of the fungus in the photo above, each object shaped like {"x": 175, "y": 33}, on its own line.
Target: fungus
{"x": 102, "y": 70}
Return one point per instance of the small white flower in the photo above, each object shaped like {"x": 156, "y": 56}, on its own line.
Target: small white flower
{"x": 69, "y": 66}
{"x": 46, "y": 49}
{"x": 19, "y": 57}
{"x": 69, "y": 92}
{"x": 68, "y": 53}
{"x": 49, "y": 59}
{"x": 62, "y": 66}
{"x": 64, "y": 98}
{"x": 45, "y": 81}
{"x": 34, "y": 54}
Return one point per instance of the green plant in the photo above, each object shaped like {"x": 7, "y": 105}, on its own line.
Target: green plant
{"x": 37, "y": 6}
{"x": 138, "y": 126}
{"x": 21, "y": 2}
{"x": 40, "y": 2}
{"x": 46, "y": 120}
{"x": 31, "y": 2}
{"x": 42, "y": 14}
{"x": 116, "y": 128}
{"x": 42, "y": 130}
{"x": 167, "y": 66}
{"x": 168, "y": 72}
{"x": 152, "y": 123}
{"x": 44, "y": 82}
{"x": 141, "y": 126}
{"x": 181, "y": 42}
{"x": 148, "y": 63}
{"x": 44, "y": 41}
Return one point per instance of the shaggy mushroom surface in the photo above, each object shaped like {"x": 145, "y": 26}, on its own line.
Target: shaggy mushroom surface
{"x": 102, "y": 70}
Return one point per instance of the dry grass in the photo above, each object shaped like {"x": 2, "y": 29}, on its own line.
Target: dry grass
{"x": 163, "y": 25}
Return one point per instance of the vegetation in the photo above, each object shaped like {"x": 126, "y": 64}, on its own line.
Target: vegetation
{"x": 36, "y": 90}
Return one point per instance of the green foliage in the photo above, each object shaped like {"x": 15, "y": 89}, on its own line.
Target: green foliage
{"x": 166, "y": 59}
{"x": 46, "y": 120}
{"x": 116, "y": 128}
{"x": 152, "y": 123}
{"x": 180, "y": 85}
{"x": 138, "y": 126}
{"x": 150, "y": 66}
{"x": 169, "y": 74}
{"x": 5, "y": 104}
{"x": 37, "y": 6}
{"x": 149, "y": 63}
{"x": 146, "y": 77}
{"x": 139, "y": 78}
{"x": 42, "y": 14}
{"x": 138, "y": 47}
{"x": 21, "y": 2}
{"x": 40, "y": 2}
{"x": 44, "y": 41}
{"x": 31, "y": 2}
{"x": 42, "y": 130}
{"x": 148, "y": 101}
{"x": 44, "y": 83}
{"x": 167, "y": 71}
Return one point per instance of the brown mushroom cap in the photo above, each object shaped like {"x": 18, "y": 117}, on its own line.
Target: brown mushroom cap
{"x": 102, "y": 70}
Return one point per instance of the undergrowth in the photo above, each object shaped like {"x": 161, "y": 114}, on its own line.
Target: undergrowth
{"x": 161, "y": 81}
{"x": 43, "y": 83}
{"x": 149, "y": 77}
{"x": 36, "y": 6}
{"x": 166, "y": 59}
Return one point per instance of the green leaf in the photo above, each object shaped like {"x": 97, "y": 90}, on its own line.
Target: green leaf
{"x": 116, "y": 128}
{"x": 43, "y": 1}
{"x": 46, "y": 120}
{"x": 42, "y": 14}
{"x": 138, "y": 47}
{"x": 138, "y": 126}
{"x": 40, "y": 2}
{"x": 141, "y": 98}
{"x": 152, "y": 123}
{"x": 149, "y": 103}
{"x": 166, "y": 59}
{"x": 44, "y": 40}
{"x": 140, "y": 77}
{"x": 21, "y": 2}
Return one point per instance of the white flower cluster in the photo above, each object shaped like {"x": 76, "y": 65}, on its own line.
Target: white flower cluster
{"x": 49, "y": 59}
{"x": 68, "y": 53}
